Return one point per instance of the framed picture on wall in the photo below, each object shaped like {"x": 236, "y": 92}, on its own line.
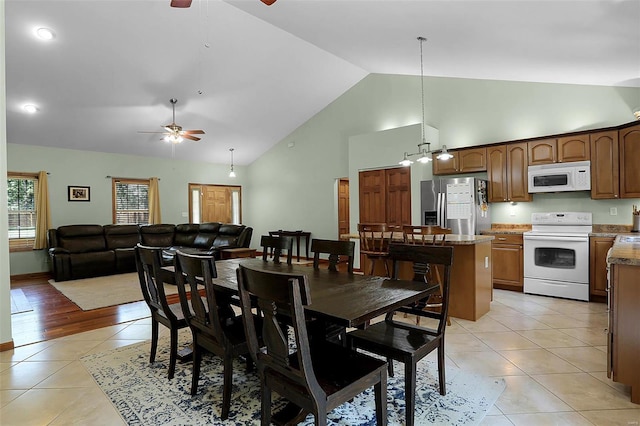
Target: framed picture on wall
{"x": 79, "y": 193}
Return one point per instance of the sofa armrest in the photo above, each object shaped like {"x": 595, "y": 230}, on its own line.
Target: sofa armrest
{"x": 58, "y": 250}
{"x": 61, "y": 263}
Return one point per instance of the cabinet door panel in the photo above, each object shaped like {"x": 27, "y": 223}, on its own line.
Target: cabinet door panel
{"x": 630, "y": 162}
{"x": 604, "y": 165}
{"x": 517, "y": 172}
{"x": 542, "y": 152}
{"x": 472, "y": 160}
{"x": 497, "y": 173}
{"x": 445, "y": 167}
{"x": 574, "y": 148}
{"x": 598, "y": 247}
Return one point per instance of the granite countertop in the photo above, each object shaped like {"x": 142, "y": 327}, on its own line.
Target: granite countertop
{"x": 452, "y": 239}
{"x": 625, "y": 250}
{"x": 609, "y": 230}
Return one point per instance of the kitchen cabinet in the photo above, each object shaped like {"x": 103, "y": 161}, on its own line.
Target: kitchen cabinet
{"x": 574, "y": 148}
{"x": 508, "y": 265}
{"x": 507, "y": 172}
{"x": 598, "y": 248}
{"x": 605, "y": 182}
{"x": 629, "y": 145}
{"x": 467, "y": 160}
{"x": 623, "y": 342}
{"x": 542, "y": 151}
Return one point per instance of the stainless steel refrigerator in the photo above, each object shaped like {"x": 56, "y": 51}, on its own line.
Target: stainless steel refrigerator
{"x": 461, "y": 204}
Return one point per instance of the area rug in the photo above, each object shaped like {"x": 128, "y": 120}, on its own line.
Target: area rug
{"x": 100, "y": 292}
{"x": 143, "y": 395}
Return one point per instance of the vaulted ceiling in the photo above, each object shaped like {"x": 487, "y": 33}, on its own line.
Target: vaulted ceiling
{"x": 249, "y": 74}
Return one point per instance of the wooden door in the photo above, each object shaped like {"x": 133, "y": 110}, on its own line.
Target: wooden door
{"x": 216, "y": 204}
{"x": 605, "y": 181}
{"x": 497, "y": 173}
{"x": 517, "y": 172}
{"x": 398, "y": 186}
{"x": 574, "y": 148}
{"x": 542, "y": 151}
{"x": 630, "y": 162}
{"x": 343, "y": 206}
{"x": 373, "y": 207}
{"x": 472, "y": 160}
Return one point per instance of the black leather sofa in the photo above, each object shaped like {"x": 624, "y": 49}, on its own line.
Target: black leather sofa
{"x": 83, "y": 251}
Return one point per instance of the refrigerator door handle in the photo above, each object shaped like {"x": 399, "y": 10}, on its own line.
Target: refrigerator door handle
{"x": 438, "y": 222}
{"x": 444, "y": 211}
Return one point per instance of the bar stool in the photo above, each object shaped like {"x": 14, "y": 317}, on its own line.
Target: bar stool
{"x": 374, "y": 243}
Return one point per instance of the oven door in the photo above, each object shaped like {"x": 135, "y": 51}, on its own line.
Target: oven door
{"x": 557, "y": 258}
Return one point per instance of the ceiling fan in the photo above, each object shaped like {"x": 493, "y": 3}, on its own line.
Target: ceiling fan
{"x": 174, "y": 133}
{"x": 187, "y": 3}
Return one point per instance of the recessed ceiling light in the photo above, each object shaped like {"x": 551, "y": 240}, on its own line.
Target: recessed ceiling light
{"x": 30, "y": 108}
{"x": 44, "y": 33}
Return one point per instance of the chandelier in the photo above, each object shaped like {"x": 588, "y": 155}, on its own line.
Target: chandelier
{"x": 424, "y": 147}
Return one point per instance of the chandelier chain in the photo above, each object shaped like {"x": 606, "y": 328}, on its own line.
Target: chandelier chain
{"x": 422, "y": 39}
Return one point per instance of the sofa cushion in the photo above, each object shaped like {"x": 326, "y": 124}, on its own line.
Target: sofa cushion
{"x": 93, "y": 264}
{"x": 157, "y": 235}
{"x": 228, "y": 235}
{"x": 186, "y": 234}
{"x": 121, "y": 236}
{"x": 81, "y": 238}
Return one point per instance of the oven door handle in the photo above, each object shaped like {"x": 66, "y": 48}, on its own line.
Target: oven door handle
{"x": 551, "y": 238}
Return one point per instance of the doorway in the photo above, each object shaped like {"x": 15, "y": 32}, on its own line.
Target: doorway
{"x": 214, "y": 203}
{"x": 343, "y": 206}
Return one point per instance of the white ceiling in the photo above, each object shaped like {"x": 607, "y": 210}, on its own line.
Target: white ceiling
{"x": 249, "y": 74}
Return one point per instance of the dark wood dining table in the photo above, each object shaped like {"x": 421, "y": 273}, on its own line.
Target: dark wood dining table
{"x": 343, "y": 299}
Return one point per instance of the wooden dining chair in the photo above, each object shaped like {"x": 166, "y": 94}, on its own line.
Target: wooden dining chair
{"x": 422, "y": 235}
{"x": 317, "y": 379}
{"x": 334, "y": 249}
{"x": 374, "y": 243}
{"x": 152, "y": 279}
{"x": 215, "y": 326}
{"x": 407, "y": 343}
{"x": 275, "y": 245}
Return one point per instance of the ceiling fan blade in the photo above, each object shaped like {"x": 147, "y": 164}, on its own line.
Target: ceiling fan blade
{"x": 268, "y": 2}
{"x": 141, "y": 131}
{"x": 180, "y": 3}
{"x": 194, "y": 132}
{"x": 193, "y": 138}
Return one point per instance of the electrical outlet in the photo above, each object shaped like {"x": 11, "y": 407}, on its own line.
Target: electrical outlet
{"x": 613, "y": 211}
{"x": 486, "y": 262}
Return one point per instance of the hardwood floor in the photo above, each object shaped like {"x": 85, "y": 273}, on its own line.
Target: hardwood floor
{"x": 54, "y": 315}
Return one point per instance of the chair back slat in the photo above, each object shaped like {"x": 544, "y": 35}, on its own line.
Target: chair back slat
{"x": 275, "y": 245}
{"x": 421, "y": 235}
{"x": 334, "y": 249}
{"x": 374, "y": 237}
{"x": 191, "y": 270}
{"x": 282, "y": 298}
{"x": 149, "y": 264}
{"x": 419, "y": 256}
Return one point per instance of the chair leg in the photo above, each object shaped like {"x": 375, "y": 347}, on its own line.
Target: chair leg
{"x": 409, "y": 390}
{"x": 195, "y": 375}
{"x": 173, "y": 352}
{"x": 390, "y": 366}
{"x": 227, "y": 385}
{"x": 441, "y": 368}
{"x": 373, "y": 265}
{"x": 154, "y": 340}
{"x": 380, "y": 390}
{"x": 266, "y": 404}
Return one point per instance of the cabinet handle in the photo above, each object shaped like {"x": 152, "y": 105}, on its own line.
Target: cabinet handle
{"x": 616, "y": 195}
{"x": 501, "y": 239}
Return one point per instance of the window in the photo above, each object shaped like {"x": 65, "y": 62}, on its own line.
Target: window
{"x": 130, "y": 200}
{"x": 21, "y": 194}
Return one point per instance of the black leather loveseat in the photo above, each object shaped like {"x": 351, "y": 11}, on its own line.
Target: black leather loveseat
{"x": 82, "y": 251}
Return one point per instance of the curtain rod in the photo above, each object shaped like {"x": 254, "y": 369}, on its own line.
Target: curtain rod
{"x": 130, "y": 178}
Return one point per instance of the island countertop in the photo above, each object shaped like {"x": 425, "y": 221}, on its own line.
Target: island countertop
{"x": 625, "y": 250}
{"x": 452, "y": 239}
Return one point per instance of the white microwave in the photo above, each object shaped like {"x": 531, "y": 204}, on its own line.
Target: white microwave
{"x": 560, "y": 177}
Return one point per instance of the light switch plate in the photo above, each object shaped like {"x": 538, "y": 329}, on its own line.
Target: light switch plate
{"x": 613, "y": 211}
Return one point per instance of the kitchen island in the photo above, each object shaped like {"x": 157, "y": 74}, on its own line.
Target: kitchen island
{"x": 471, "y": 282}
{"x": 623, "y": 343}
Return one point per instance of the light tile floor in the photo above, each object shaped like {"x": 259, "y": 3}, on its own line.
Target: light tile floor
{"x": 551, "y": 352}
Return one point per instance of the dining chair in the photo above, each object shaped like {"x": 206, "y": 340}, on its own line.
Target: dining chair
{"x": 429, "y": 234}
{"x": 152, "y": 279}
{"x": 334, "y": 249}
{"x": 316, "y": 378}
{"x": 408, "y": 343}
{"x": 374, "y": 243}
{"x": 275, "y": 245}
{"x": 214, "y": 325}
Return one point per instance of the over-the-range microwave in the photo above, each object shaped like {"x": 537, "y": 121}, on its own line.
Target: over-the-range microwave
{"x": 560, "y": 177}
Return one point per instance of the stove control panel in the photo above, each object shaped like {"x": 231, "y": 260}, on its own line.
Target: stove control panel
{"x": 561, "y": 218}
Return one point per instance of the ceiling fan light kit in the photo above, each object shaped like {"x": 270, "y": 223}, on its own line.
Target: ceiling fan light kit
{"x": 187, "y": 3}
{"x": 174, "y": 133}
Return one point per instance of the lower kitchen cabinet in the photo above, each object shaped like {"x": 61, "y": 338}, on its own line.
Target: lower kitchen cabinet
{"x": 598, "y": 248}
{"x": 508, "y": 266}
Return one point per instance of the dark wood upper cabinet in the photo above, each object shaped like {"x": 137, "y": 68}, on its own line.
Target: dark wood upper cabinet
{"x": 507, "y": 173}
{"x": 497, "y": 173}
{"x": 629, "y": 144}
{"x": 542, "y": 151}
{"x": 466, "y": 160}
{"x": 574, "y": 148}
{"x": 605, "y": 181}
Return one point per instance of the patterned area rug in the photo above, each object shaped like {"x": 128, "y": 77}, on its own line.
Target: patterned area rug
{"x": 144, "y": 396}
{"x": 110, "y": 290}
